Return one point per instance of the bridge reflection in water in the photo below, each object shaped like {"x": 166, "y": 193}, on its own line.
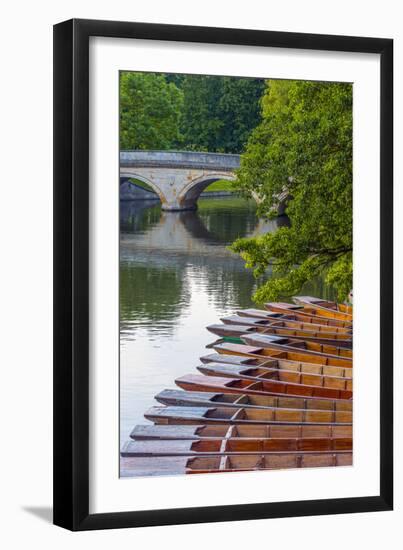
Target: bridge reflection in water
{"x": 145, "y": 226}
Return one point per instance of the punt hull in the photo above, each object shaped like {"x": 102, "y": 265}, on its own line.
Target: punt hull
{"x": 153, "y": 466}
{"x": 236, "y": 331}
{"x": 267, "y": 353}
{"x": 303, "y": 314}
{"x": 324, "y": 308}
{"x": 294, "y": 345}
{"x": 329, "y": 331}
{"x": 227, "y": 415}
{"x": 229, "y": 447}
{"x": 276, "y": 374}
{"x": 238, "y": 432}
{"x": 182, "y": 398}
{"x": 267, "y": 387}
{"x": 283, "y": 364}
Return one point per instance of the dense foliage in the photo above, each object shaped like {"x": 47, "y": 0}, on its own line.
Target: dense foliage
{"x": 219, "y": 113}
{"x": 150, "y": 111}
{"x": 190, "y": 112}
{"x": 303, "y": 145}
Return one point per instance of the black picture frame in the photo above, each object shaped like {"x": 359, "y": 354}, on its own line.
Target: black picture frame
{"x": 71, "y": 274}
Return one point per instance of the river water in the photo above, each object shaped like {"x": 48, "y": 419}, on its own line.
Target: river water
{"x": 176, "y": 277}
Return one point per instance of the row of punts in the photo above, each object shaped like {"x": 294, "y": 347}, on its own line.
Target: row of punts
{"x": 277, "y": 392}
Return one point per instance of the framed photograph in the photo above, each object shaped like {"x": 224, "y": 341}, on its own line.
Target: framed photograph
{"x": 238, "y": 181}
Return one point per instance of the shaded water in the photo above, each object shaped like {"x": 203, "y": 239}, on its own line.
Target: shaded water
{"x": 176, "y": 277}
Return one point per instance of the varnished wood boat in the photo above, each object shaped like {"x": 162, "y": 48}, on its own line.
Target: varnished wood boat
{"x": 233, "y": 447}
{"x": 241, "y": 432}
{"x": 320, "y": 311}
{"x": 263, "y": 314}
{"x": 307, "y": 315}
{"x": 229, "y": 415}
{"x": 265, "y": 353}
{"x": 274, "y": 461}
{"x": 277, "y": 373}
{"x": 179, "y": 398}
{"x": 151, "y": 466}
{"x": 230, "y": 331}
{"x": 296, "y": 366}
{"x": 292, "y": 312}
{"x": 195, "y": 382}
{"x": 206, "y": 398}
{"x": 290, "y": 344}
{"x": 325, "y": 331}
{"x": 236, "y": 331}
{"x": 327, "y": 305}
{"x": 235, "y": 359}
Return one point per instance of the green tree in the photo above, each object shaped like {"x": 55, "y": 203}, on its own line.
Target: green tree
{"x": 240, "y": 111}
{"x": 219, "y": 113}
{"x": 201, "y": 121}
{"x": 304, "y": 145}
{"x": 150, "y": 111}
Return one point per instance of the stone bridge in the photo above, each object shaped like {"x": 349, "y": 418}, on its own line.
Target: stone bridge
{"x": 178, "y": 177}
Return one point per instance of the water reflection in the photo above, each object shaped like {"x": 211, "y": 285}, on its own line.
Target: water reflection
{"x": 162, "y": 252}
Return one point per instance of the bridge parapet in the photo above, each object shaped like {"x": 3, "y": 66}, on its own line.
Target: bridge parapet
{"x": 180, "y": 159}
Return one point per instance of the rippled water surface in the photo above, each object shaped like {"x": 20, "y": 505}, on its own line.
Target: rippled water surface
{"x": 176, "y": 277}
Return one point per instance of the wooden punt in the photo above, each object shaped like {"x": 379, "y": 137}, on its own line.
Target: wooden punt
{"x": 229, "y": 415}
{"x": 234, "y": 359}
{"x": 151, "y": 466}
{"x": 209, "y": 399}
{"x": 325, "y": 331}
{"x": 273, "y": 461}
{"x": 241, "y": 432}
{"x": 236, "y": 331}
{"x": 292, "y": 312}
{"x": 327, "y": 305}
{"x": 263, "y": 314}
{"x": 307, "y": 315}
{"x": 233, "y": 447}
{"x": 291, "y": 344}
{"x": 321, "y": 311}
{"x": 268, "y": 362}
{"x": 265, "y": 353}
{"x": 230, "y": 331}
{"x": 278, "y": 373}
{"x": 195, "y": 399}
{"x": 195, "y": 382}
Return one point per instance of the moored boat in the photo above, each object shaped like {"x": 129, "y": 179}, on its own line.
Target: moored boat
{"x": 174, "y": 465}
{"x": 266, "y": 353}
{"x": 229, "y": 415}
{"x": 244, "y": 432}
{"x": 277, "y": 373}
{"x": 209, "y": 399}
{"x": 270, "y": 362}
{"x": 314, "y": 314}
{"x": 291, "y": 344}
{"x": 327, "y": 305}
{"x": 325, "y": 330}
{"x": 195, "y": 382}
{"x": 234, "y": 359}
{"x": 215, "y": 447}
{"x": 236, "y": 331}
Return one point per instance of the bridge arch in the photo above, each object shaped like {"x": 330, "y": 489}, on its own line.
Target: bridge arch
{"x": 192, "y": 191}
{"x": 128, "y": 174}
